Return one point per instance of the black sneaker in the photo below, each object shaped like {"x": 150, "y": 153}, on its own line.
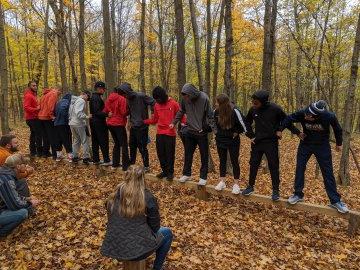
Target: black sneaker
{"x": 75, "y": 159}
{"x": 275, "y": 196}
{"x": 87, "y": 161}
{"x": 161, "y": 175}
{"x": 170, "y": 177}
{"x": 248, "y": 191}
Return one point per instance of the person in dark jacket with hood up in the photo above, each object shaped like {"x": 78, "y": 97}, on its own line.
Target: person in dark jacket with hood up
{"x": 199, "y": 122}
{"x": 61, "y": 123}
{"x": 138, "y": 104}
{"x": 316, "y": 121}
{"x": 98, "y": 127}
{"x": 133, "y": 230}
{"x": 267, "y": 117}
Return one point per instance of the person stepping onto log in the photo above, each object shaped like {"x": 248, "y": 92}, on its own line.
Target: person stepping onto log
{"x": 316, "y": 121}
{"x": 133, "y": 230}
{"x": 267, "y": 117}
{"x": 229, "y": 122}
{"x": 165, "y": 110}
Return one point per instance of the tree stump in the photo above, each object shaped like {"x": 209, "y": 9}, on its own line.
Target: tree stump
{"x": 354, "y": 223}
{"x": 201, "y": 193}
{"x": 134, "y": 265}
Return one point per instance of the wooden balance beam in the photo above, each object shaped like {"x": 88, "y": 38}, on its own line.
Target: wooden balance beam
{"x": 134, "y": 265}
{"x": 203, "y": 192}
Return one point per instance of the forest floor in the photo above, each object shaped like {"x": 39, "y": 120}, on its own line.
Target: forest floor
{"x": 69, "y": 227}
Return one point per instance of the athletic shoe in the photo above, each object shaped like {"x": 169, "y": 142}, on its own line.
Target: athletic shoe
{"x": 87, "y": 161}
{"x": 161, "y": 175}
{"x": 294, "y": 199}
{"x": 220, "y": 186}
{"x": 75, "y": 159}
{"x": 202, "y": 182}
{"x": 248, "y": 191}
{"x": 275, "y": 196}
{"x": 170, "y": 177}
{"x": 96, "y": 162}
{"x": 69, "y": 157}
{"x": 184, "y": 178}
{"x": 340, "y": 206}
{"x": 236, "y": 189}
{"x": 106, "y": 163}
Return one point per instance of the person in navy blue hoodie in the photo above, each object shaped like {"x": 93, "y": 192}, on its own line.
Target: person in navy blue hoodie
{"x": 316, "y": 121}
{"x": 61, "y": 123}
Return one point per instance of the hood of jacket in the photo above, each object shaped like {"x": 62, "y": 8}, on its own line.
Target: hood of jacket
{"x": 46, "y": 90}
{"x": 67, "y": 96}
{"x": 262, "y": 96}
{"x": 190, "y": 90}
{"x": 113, "y": 97}
{"x": 7, "y": 171}
{"x": 127, "y": 90}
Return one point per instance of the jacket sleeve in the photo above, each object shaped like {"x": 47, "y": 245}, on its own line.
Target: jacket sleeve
{"x": 152, "y": 214}
{"x": 240, "y": 123}
{"x": 27, "y": 105}
{"x": 249, "y": 120}
{"x": 288, "y": 121}
{"x": 79, "y": 110}
{"x": 179, "y": 115}
{"x": 290, "y": 126}
{"x": 96, "y": 108}
{"x": 210, "y": 116}
{"x": 337, "y": 130}
{"x": 154, "y": 119}
{"x": 10, "y": 196}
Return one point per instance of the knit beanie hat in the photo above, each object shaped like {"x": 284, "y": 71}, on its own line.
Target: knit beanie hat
{"x": 317, "y": 107}
{"x": 160, "y": 95}
{"x": 100, "y": 84}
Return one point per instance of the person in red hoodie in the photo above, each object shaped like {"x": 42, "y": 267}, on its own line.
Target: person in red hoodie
{"x": 31, "y": 109}
{"x": 165, "y": 110}
{"x": 117, "y": 111}
{"x": 46, "y": 117}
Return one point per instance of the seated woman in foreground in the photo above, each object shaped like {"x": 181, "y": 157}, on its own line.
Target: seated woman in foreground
{"x": 133, "y": 230}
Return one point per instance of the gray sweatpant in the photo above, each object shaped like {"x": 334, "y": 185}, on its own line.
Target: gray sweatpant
{"x": 80, "y": 138}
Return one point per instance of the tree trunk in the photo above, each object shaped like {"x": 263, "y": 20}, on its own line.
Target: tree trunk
{"x": 142, "y": 46}
{"x": 161, "y": 44}
{"x": 217, "y": 53}
{"x": 46, "y": 49}
{"x": 349, "y": 110}
{"x": 113, "y": 35}
{"x": 180, "y": 44}
{"x": 151, "y": 48}
{"x": 3, "y": 76}
{"x": 197, "y": 45}
{"x": 208, "y": 48}
{"x": 108, "y": 57}
{"x": 82, "y": 44}
{"x": 228, "y": 81}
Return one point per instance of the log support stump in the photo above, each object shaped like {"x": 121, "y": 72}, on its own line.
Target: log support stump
{"x": 201, "y": 193}
{"x": 354, "y": 223}
{"x": 134, "y": 265}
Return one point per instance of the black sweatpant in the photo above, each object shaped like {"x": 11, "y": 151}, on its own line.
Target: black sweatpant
{"x": 271, "y": 151}
{"x": 99, "y": 139}
{"x": 48, "y": 137}
{"x": 35, "y": 142}
{"x": 64, "y": 138}
{"x": 191, "y": 142}
{"x": 139, "y": 139}
{"x": 119, "y": 136}
{"x": 165, "y": 148}
{"x": 234, "y": 151}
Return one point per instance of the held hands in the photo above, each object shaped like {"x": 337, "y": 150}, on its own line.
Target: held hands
{"x": 110, "y": 114}
{"x": 89, "y": 116}
{"x": 338, "y": 148}
{"x": 253, "y": 140}
{"x": 302, "y": 136}
{"x": 171, "y": 126}
{"x": 279, "y": 134}
{"x": 235, "y": 135}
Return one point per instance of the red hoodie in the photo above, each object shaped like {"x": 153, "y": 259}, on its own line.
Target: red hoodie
{"x": 48, "y": 103}
{"x": 117, "y": 105}
{"x": 30, "y": 104}
{"x": 163, "y": 115}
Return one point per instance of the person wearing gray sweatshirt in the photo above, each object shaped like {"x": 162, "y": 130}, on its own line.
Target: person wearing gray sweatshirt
{"x": 199, "y": 122}
{"x": 78, "y": 125}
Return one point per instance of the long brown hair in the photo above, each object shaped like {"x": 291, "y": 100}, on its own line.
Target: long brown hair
{"x": 225, "y": 111}
{"x": 131, "y": 192}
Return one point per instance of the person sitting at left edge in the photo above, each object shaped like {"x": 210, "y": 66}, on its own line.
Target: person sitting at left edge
{"x": 14, "y": 208}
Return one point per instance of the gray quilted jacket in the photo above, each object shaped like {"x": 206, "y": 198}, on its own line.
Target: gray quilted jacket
{"x": 130, "y": 238}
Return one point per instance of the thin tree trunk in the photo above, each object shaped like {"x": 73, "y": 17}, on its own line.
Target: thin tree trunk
{"x": 208, "y": 48}
{"x": 81, "y": 36}
{"x": 349, "y": 109}
{"x": 108, "y": 57}
{"x": 46, "y": 49}
{"x": 161, "y": 44}
{"x": 113, "y": 34}
{"x": 180, "y": 44}
{"x": 142, "y": 47}
{"x": 3, "y": 76}
{"x": 228, "y": 81}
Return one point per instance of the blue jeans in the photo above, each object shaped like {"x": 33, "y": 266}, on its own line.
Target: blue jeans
{"x": 323, "y": 156}
{"x": 9, "y": 220}
{"x": 164, "y": 248}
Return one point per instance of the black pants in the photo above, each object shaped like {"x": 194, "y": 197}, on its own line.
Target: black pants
{"x": 139, "y": 139}
{"x": 99, "y": 139}
{"x": 271, "y": 151}
{"x": 191, "y": 141}
{"x": 48, "y": 137}
{"x": 64, "y": 138}
{"x": 119, "y": 136}
{"x": 234, "y": 151}
{"x": 165, "y": 148}
{"x": 35, "y": 144}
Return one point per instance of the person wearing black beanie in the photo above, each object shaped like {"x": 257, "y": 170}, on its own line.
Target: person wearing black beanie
{"x": 316, "y": 121}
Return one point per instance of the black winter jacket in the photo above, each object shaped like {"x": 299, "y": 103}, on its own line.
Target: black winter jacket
{"x": 96, "y": 109}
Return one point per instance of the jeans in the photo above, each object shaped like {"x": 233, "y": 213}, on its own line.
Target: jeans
{"x": 234, "y": 151}
{"x": 9, "y": 220}
{"x": 191, "y": 141}
{"x": 63, "y": 134}
{"x": 271, "y": 151}
{"x": 99, "y": 139}
{"x": 80, "y": 138}
{"x": 119, "y": 136}
{"x": 323, "y": 156}
{"x": 139, "y": 138}
{"x": 165, "y": 148}
{"x": 35, "y": 144}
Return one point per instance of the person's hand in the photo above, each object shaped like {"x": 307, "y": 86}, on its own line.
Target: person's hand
{"x": 183, "y": 124}
{"x": 89, "y": 116}
{"x": 279, "y": 134}
{"x": 338, "y": 148}
{"x": 253, "y": 140}
{"x": 171, "y": 126}
{"x": 38, "y": 108}
{"x": 302, "y": 136}
{"x": 235, "y": 135}
{"x": 34, "y": 201}
{"x": 29, "y": 169}
{"x": 110, "y": 114}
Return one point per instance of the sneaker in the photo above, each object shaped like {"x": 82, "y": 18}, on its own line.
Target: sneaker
{"x": 69, "y": 157}
{"x": 202, "y": 182}
{"x": 275, "y": 196}
{"x": 146, "y": 169}
{"x": 293, "y": 199}
{"x": 221, "y": 186}
{"x": 75, "y": 159}
{"x": 184, "y": 178}
{"x": 87, "y": 161}
{"x": 96, "y": 163}
{"x": 340, "y": 206}
{"x": 170, "y": 177}
{"x": 59, "y": 156}
{"x": 236, "y": 189}
{"x": 161, "y": 175}
{"x": 114, "y": 167}
{"x": 106, "y": 163}
{"x": 248, "y": 191}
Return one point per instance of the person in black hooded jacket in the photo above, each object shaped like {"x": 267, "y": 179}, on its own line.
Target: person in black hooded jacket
{"x": 98, "y": 127}
{"x": 267, "y": 117}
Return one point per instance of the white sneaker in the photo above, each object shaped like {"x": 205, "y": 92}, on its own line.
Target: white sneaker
{"x": 202, "y": 182}
{"x": 59, "y": 156}
{"x": 220, "y": 186}
{"x": 106, "y": 163}
{"x": 69, "y": 157}
{"x": 184, "y": 178}
{"x": 236, "y": 189}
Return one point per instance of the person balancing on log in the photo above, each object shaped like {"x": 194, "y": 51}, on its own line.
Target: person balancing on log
{"x": 314, "y": 139}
